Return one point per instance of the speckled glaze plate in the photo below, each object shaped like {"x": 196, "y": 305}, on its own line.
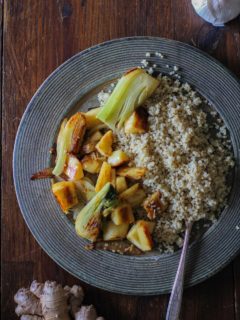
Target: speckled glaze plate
{"x": 72, "y": 87}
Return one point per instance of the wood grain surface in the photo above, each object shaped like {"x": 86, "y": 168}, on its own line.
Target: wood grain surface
{"x": 37, "y": 36}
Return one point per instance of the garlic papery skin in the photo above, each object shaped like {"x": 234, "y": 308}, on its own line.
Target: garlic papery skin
{"x": 217, "y": 12}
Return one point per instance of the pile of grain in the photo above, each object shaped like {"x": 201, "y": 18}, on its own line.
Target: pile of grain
{"x": 187, "y": 154}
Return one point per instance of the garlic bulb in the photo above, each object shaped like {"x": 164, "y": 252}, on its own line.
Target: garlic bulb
{"x": 217, "y": 12}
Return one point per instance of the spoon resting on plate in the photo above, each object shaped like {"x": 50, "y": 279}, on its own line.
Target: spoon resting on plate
{"x": 175, "y": 301}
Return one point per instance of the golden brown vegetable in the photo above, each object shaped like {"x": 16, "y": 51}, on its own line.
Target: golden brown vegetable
{"x": 131, "y": 172}
{"x": 61, "y": 152}
{"x": 140, "y": 235}
{"x": 75, "y": 130}
{"x": 91, "y": 163}
{"x": 134, "y": 87}
{"x": 113, "y": 178}
{"x": 96, "y": 136}
{"x": 88, "y": 147}
{"x": 69, "y": 140}
{"x": 90, "y": 143}
{"x": 105, "y": 176}
{"x": 118, "y": 158}
{"x": 107, "y": 212}
{"x": 121, "y": 184}
{"x": 66, "y": 195}
{"x": 104, "y": 146}
{"x": 88, "y": 222}
{"x": 91, "y": 119}
{"x": 61, "y": 133}
{"x": 85, "y": 188}
{"x": 117, "y": 246}
{"x": 122, "y": 214}
{"x": 137, "y": 122}
{"x": 133, "y": 195}
{"x": 154, "y": 205}
{"x": 43, "y": 174}
{"x": 73, "y": 168}
{"x": 114, "y": 232}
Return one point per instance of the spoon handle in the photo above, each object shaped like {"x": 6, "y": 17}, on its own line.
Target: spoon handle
{"x": 174, "y": 305}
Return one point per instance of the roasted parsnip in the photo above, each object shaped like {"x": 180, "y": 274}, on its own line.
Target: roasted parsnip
{"x": 91, "y": 118}
{"x": 66, "y": 195}
{"x": 104, "y": 146}
{"x": 131, "y": 172}
{"x": 90, "y": 143}
{"x": 113, "y": 177}
{"x": 133, "y": 195}
{"x": 85, "y": 188}
{"x": 112, "y": 231}
{"x": 91, "y": 163}
{"x": 73, "y": 168}
{"x": 122, "y": 214}
{"x": 105, "y": 176}
{"x": 118, "y": 158}
{"x": 121, "y": 184}
{"x": 137, "y": 122}
{"x": 140, "y": 235}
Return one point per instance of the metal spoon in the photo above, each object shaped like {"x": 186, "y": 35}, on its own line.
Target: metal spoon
{"x": 175, "y": 301}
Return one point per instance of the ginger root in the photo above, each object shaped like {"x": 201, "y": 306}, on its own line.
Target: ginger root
{"x": 36, "y": 288}
{"x": 75, "y": 298}
{"x": 49, "y": 301}
{"x": 54, "y": 301}
{"x": 29, "y": 317}
{"x": 86, "y": 312}
{"x": 27, "y": 302}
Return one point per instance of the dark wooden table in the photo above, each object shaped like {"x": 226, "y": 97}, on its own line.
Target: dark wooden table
{"x": 37, "y": 36}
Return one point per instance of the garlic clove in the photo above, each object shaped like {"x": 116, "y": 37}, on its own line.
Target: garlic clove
{"x": 217, "y": 12}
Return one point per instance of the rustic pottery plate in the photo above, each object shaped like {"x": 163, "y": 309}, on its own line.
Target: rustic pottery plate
{"x": 73, "y": 86}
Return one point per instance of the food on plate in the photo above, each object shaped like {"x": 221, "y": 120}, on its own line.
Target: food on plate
{"x": 43, "y": 174}
{"x": 133, "y": 195}
{"x": 73, "y": 168}
{"x": 131, "y": 91}
{"x": 66, "y": 194}
{"x": 154, "y": 205}
{"x": 140, "y": 235}
{"x": 91, "y": 118}
{"x": 137, "y": 122}
{"x": 69, "y": 140}
{"x": 85, "y": 188}
{"x": 116, "y": 246}
{"x": 91, "y": 163}
{"x": 104, "y": 146}
{"x": 131, "y": 171}
{"x": 90, "y": 143}
{"x": 121, "y": 184}
{"x": 105, "y": 176}
{"x": 111, "y": 231}
{"x": 88, "y": 222}
{"x": 122, "y": 214}
{"x": 117, "y": 158}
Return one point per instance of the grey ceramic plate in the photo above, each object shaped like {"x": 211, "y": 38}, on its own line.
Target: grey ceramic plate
{"x": 76, "y": 82}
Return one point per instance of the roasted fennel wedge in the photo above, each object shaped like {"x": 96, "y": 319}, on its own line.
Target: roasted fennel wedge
{"x": 88, "y": 222}
{"x": 131, "y": 91}
{"x": 69, "y": 140}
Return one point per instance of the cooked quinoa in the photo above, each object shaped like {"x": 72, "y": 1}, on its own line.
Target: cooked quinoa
{"x": 188, "y": 156}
